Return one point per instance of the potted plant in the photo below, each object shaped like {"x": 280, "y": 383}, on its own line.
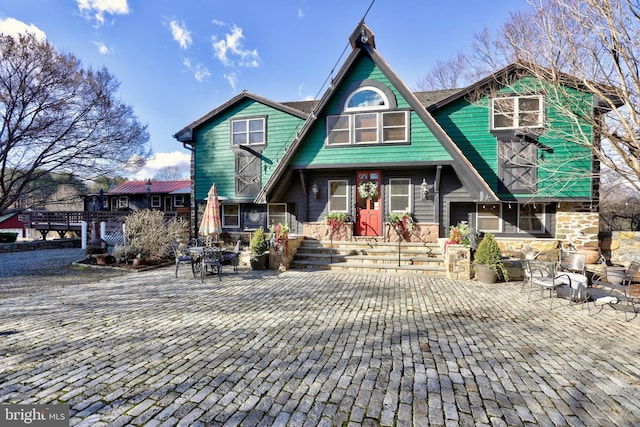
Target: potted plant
{"x": 403, "y": 223}
{"x": 335, "y": 221}
{"x": 487, "y": 260}
{"x": 258, "y": 248}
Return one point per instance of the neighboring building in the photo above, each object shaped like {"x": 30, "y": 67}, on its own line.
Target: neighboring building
{"x": 483, "y": 154}
{"x": 167, "y": 196}
{"x": 10, "y": 223}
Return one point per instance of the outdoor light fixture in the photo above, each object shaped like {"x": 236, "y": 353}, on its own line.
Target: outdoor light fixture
{"x": 148, "y": 185}
{"x": 425, "y": 189}
{"x": 315, "y": 190}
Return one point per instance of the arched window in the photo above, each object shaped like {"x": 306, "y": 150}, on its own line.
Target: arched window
{"x": 366, "y": 98}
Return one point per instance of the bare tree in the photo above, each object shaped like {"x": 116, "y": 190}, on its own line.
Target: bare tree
{"x": 58, "y": 117}
{"x": 170, "y": 173}
{"x": 579, "y": 46}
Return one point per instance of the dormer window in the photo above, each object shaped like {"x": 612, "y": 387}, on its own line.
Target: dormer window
{"x": 367, "y": 120}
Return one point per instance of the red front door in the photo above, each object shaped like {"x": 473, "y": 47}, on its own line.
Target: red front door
{"x": 369, "y": 208}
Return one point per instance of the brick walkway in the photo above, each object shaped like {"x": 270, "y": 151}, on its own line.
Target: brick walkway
{"x": 306, "y": 348}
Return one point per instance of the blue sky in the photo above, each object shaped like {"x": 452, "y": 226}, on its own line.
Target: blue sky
{"x": 178, "y": 60}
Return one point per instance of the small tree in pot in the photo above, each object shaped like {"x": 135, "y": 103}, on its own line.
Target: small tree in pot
{"x": 487, "y": 260}
{"x": 259, "y": 247}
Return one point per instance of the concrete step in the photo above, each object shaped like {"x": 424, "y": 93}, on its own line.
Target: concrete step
{"x": 434, "y": 270}
{"x": 369, "y": 255}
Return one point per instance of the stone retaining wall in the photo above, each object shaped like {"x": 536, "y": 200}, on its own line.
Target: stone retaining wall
{"x": 40, "y": 244}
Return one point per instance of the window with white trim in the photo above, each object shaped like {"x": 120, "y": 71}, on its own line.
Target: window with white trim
{"x": 338, "y": 195}
{"x": 248, "y": 131}
{"x": 123, "y": 202}
{"x": 368, "y": 128}
{"x": 155, "y": 202}
{"x": 488, "y": 217}
{"x": 276, "y": 213}
{"x": 366, "y": 98}
{"x": 514, "y": 112}
{"x": 231, "y": 216}
{"x": 361, "y": 124}
{"x": 178, "y": 201}
{"x": 399, "y": 195}
{"x": 531, "y": 218}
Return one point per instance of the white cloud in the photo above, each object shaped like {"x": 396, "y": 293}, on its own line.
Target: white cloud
{"x": 97, "y": 9}
{"x": 300, "y": 13}
{"x": 232, "y": 78}
{"x": 13, "y": 27}
{"x": 200, "y": 71}
{"x": 102, "y": 48}
{"x": 218, "y": 22}
{"x": 180, "y": 34}
{"x": 230, "y": 50}
{"x": 160, "y": 161}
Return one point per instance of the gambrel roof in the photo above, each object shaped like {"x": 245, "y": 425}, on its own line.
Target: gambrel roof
{"x": 362, "y": 41}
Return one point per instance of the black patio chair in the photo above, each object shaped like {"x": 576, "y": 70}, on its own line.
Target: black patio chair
{"x": 183, "y": 256}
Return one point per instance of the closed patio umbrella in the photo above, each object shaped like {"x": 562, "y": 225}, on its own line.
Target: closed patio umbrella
{"x": 211, "y": 224}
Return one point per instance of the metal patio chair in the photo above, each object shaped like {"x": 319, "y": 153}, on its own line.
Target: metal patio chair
{"x": 211, "y": 261}
{"x": 607, "y": 293}
{"x": 182, "y": 256}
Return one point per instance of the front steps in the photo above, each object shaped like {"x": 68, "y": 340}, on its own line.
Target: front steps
{"x": 369, "y": 255}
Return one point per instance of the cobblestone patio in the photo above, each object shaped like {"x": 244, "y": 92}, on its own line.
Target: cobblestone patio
{"x": 307, "y": 348}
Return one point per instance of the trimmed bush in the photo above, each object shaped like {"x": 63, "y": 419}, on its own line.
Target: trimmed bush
{"x": 8, "y": 237}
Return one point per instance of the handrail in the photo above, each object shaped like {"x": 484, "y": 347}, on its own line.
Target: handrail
{"x": 393, "y": 225}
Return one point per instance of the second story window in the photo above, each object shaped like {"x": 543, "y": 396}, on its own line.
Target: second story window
{"x": 367, "y": 119}
{"x": 515, "y": 112}
{"x": 248, "y": 131}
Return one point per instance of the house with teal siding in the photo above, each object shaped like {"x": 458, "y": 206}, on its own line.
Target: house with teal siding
{"x": 498, "y": 155}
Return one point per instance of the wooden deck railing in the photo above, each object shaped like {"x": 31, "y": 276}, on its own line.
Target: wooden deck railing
{"x": 71, "y": 220}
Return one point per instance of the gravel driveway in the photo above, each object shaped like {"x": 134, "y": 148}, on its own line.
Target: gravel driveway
{"x": 30, "y": 272}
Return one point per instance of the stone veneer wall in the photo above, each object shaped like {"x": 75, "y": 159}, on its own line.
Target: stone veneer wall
{"x": 624, "y": 247}
{"x": 282, "y": 260}
{"x": 457, "y": 262}
{"x": 422, "y": 232}
{"x": 576, "y": 223}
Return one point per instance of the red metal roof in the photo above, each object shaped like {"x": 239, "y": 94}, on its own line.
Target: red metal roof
{"x": 157, "y": 187}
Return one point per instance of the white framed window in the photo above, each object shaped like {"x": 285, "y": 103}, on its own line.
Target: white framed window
{"x": 368, "y": 128}
{"x": 531, "y": 218}
{"x": 156, "y": 202}
{"x": 399, "y": 195}
{"x": 178, "y": 201}
{"x": 366, "y": 98}
{"x": 513, "y": 112}
{"x": 339, "y": 130}
{"x": 488, "y": 217}
{"x": 338, "y": 195}
{"x": 123, "y": 202}
{"x": 394, "y": 126}
{"x": 365, "y": 128}
{"x": 231, "y": 216}
{"x": 249, "y": 131}
{"x": 276, "y": 213}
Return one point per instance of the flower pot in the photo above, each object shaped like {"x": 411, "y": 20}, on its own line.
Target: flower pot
{"x": 592, "y": 255}
{"x": 486, "y": 274}
{"x": 259, "y": 262}
{"x": 615, "y": 275}
{"x": 101, "y": 259}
